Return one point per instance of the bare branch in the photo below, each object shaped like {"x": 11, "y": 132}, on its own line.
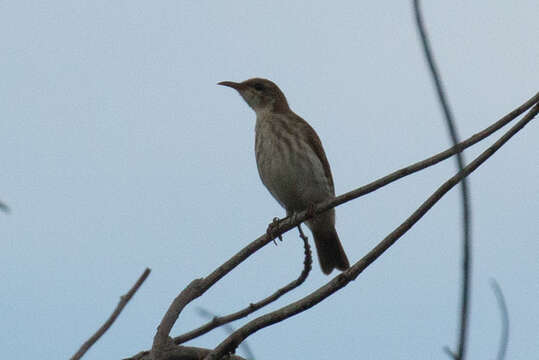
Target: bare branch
{"x": 4, "y": 207}
{"x": 123, "y": 301}
{"x": 180, "y": 353}
{"x": 229, "y": 329}
{"x": 504, "y": 338}
{"x": 341, "y": 280}
{"x": 218, "y": 321}
{"x": 466, "y": 212}
{"x": 285, "y": 225}
{"x": 450, "y": 353}
{"x": 162, "y": 343}
{"x": 396, "y": 175}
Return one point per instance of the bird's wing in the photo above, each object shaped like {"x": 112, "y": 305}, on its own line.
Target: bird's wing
{"x": 315, "y": 143}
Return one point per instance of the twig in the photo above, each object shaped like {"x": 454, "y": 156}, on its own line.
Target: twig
{"x": 285, "y": 225}
{"x": 504, "y": 338}
{"x": 229, "y": 329}
{"x": 450, "y": 353}
{"x": 4, "y": 207}
{"x": 218, "y": 321}
{"x": 341, "y": 280}
{"x": 123, "y": 301}
{"x": 466, "y": 212}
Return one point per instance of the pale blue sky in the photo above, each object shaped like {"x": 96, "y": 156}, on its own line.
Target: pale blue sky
{"x": 120, "y": 152}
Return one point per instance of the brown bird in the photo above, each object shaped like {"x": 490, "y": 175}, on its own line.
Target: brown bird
{"x": 292, "y": 164}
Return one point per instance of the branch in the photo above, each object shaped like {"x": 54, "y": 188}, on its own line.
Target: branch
{"x": 123, "y": 301}
{"x": 466, "y": 212}
{"x": 218, "y": 321}
{"x": 341, "y": 280}
{"x": 162, "y": 343}
{"x": 4, "y": 207}
{"x": 229, "y": 329}
{"x": 180, "y": 353}
{"x": 204, "y": 284}
{"x": 504, "y": 339}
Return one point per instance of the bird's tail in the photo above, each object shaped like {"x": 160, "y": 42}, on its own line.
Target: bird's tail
{"x": 331, "y": 254}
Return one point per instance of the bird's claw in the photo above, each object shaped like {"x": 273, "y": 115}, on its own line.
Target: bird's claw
{"x": 272, "y": 227}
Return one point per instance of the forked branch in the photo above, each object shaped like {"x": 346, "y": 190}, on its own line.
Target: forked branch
{"x": 221, "y": 320}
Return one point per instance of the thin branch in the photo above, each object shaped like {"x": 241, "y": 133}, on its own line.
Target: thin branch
{"x": 4, "y": 207}
{"x": 450, "y": 353}
{"x": 218, "y": 321}
{"x": 123, "y": 301}
{"x": 229, "y": 329}
{"x": 396, "y": 175}
{"x": 504, "y": 338}
{"x": 285, "y": 225}
{"x": 466, "y": 212}
{"x": 341, "y": 280}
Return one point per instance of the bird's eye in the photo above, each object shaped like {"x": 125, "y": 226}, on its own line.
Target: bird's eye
{"x": 258, "y": 86}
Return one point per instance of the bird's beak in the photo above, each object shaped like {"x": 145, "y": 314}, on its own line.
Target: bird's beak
{"x": 233, "y": 85}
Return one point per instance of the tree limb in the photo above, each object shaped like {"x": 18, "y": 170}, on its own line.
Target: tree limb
{"x": 162, "y": 343}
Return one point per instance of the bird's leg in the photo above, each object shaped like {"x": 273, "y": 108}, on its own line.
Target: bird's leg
{"x": 272, "y": 227}
{"x": 293, "y": 216}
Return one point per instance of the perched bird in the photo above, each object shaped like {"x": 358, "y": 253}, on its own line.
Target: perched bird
{"x": 292, "y": 164}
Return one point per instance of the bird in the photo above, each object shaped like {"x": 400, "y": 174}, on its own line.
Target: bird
{"x": 292, "y": 165}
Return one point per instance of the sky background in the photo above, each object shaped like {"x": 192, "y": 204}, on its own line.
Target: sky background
{"x": 119, "y": 152}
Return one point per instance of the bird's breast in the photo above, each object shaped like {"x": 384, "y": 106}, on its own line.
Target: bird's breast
{"x": 287, "y": 165}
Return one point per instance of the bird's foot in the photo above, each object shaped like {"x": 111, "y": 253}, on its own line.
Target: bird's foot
{"x": 272, "y": 227}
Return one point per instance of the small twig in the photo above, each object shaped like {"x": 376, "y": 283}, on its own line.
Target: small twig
{"x": 466, "y": 212}
{"x": 221, "y": 320}
{"x": 341, "y": 280}
{"x": 4, "y": 207}
{"x": 303, "y": 237}
{"x": 308, "y": 261}
{"x": 450, "y": 353}
{"x": 504, "y": 338}
{"x": 229, "y": 329}
{"x": 123, "y": 301}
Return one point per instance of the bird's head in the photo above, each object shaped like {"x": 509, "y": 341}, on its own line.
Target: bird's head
{"x": 260, "y": 94}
